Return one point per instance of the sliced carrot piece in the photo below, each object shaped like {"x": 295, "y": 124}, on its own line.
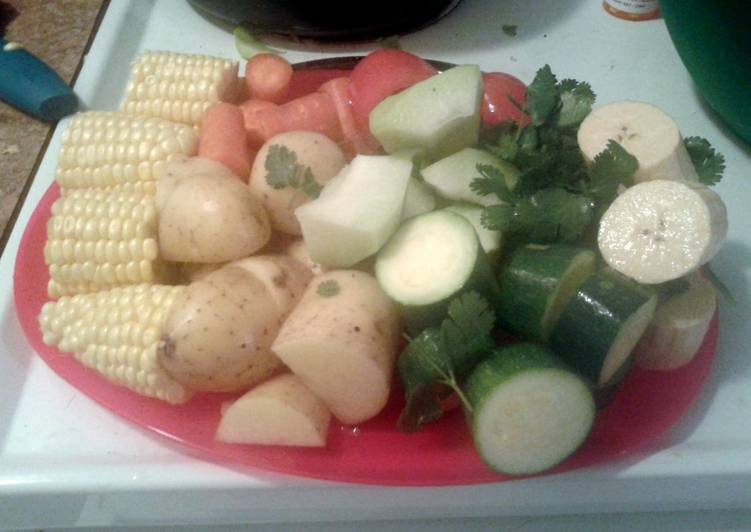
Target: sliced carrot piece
{"x": 253, "y": 125}
{"x": 223, "y": 138}
{"x": 354, "y": 140}
{"x": 267, "y": 77}
{"x": 312, "y": 112}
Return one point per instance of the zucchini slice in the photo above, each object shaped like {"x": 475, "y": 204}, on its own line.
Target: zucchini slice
{"x": 599, "y": 328}
{"x": 537, "y": 284}
{"x": 529, "y": 412}
{"x": 430, "y": 260}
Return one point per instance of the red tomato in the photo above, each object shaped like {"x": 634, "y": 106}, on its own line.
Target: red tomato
{"x": 500, "y": 92}
{"x": 381, "y": 74}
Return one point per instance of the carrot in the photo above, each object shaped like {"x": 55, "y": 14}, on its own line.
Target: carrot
{"x": 312, "y": 112}
{"x": 224, "y": 140}
{"x": 253, "y": 126}
{"x": 267, "y": 77}
{"x": 355, "y": 140}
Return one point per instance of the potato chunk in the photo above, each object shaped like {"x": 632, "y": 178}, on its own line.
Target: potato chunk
{"x": 341, "y": 340}
{"x": 280, "y": 411}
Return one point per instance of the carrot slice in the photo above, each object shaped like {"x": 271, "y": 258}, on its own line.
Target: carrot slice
{"x": 254, "y": 127}
{"x": 224, "y": 140}
{"x": 267, "y": 77}
{"x": 354, "y": 140}
{"x": 312, "y": 112}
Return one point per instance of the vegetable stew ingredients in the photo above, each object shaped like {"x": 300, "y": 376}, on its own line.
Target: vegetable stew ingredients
{"x": 537, "y": 284}
{"x": 357, "y": 211}
{"x": 440, "y": 114}
{"x": 679, "y": 326}
{"x": 267, "y": 77}
{"x": 343, "y": 344}
{"x": 210, "y": 217}
{"x": 254, "y": 126}
{"x": 600, "y": 326}
{"x": 216, "y": 339}
{"x": 223, "y": 139}
{"x": 284, "y": 278}
{"x": 355, "y": 139}
{"x": 99, "y": 239}
{"x": 116, "y": 333}
{"x": 178, "y": 87}
{"x": 431, "y": 259}
{"x": 528, "y": 412}
{"x": 289, "y": 170}
{"x": 645, "y": 132}
{"x": 299, "y": 251}
{"x": 660, "y": 230}
{"x": 312, "y": 112}
{"x": 103, "y": 149}
{"x": 489, "y": 240}
{"x": 280, "y": 411}
{"x": 503, "y": 99}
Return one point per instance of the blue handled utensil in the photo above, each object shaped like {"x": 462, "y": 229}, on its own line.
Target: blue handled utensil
{"x": 32, "y": 87}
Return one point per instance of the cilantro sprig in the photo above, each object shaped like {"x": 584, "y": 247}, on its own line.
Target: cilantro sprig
{"x": 708, "y": 163}
{"x": 283, "y": 170}
{"x": 434, "y": 362}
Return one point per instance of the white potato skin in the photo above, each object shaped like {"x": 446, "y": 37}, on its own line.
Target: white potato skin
{"x": 322, "y": 155}
{"x": 180, "y": 167}
{"x": 210, "y": 218}
{"x": 219, "y": 334}
{"x": 343, "y": 346}
{"x": 298, "y": 251}
{"x": 279, "y": 411}
{"x": 284, "y": 278}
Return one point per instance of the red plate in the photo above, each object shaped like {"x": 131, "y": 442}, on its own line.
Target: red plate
{"x": 646, "y": 406}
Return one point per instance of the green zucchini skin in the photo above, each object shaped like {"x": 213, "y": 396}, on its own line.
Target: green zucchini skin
{"x": 507, "y": 366}
{"x": 537, "y": 283}
{"x": 608, "y": 313}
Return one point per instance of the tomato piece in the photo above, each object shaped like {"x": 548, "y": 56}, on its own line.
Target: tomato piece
{"x": 381, "y": 74}
{"x": 502, "y": 97}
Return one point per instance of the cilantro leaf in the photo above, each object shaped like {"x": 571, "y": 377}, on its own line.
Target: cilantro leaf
{"x": 328, "y": 288}
{"x": 542, "y": 96}
{"x": 611, "y": 167}
{"x": 505, "y": 147}
{"x": 577, "y": 99}
{"x": 708, "y": 163}
{"x": 468, "y": 328}
{"x": 283, "y": 170}
{"x": 491, "y": 181}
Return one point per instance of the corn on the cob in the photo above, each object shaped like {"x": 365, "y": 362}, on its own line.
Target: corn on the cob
{"x": 102, "y": 149}
{"x": 117, "y": 333}
{"x": 178, "y": 87}
{"x": 97, "y": 239}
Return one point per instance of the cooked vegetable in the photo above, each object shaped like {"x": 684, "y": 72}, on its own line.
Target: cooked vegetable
{"x": 254, "y": 128}
{"x": 503, "y": 99}
{"x": 660, "y": 230}
{"x": 645, "y": 132}
{"x": 97, "y": 240}
{"x": 528, "y": 412}
{"x": 116, "y": 333}
{"x": 210, "y": 218}
{"x": 177, "y": 169}
{"x": 677, "y": 331}
{"x": 178, "y": 87}
{"x": 357, "y": 212}
{"x": 343, "y": 346}
{"x": 537, "y": 284}
{"x": 489, "y": 240}
{"x": 355, "y": 139}
{"x": 267, "y": 77}
{"x": 280, "y": 411}
{"x": 223, "y": 139}
{"x": 440, "y": 114}
{"x": 298, "y": 251}
{"x": 418, "y": 199}
{"x": 289, "y": 170}
{"x": 102, "y": 149}
{"x": 312, "y": 112}
{"x": 216, "y": 339}
{"x": 284, "y": 278}
{"x": 452, "y": 176}
{"x": 431, "y": 259}
{"x": 600, "y": 326}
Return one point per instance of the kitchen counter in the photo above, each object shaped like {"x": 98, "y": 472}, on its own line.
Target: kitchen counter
{"x": 58, "y": 33}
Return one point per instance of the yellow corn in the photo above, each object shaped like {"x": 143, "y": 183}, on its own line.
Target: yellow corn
{"x": 178, "y": 87}
{"x": 97, "y": 239}
{"x": 117, "y": 333}
{"x": 103, "y": 149}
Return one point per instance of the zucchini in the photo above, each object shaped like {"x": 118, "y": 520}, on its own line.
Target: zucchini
{"x": 536, "y": 285}
{"x": 529, "y": 412}
{"x": 598, "y": 329}
{"x": 431, "y": 259}
{"x": 490, "y": 240}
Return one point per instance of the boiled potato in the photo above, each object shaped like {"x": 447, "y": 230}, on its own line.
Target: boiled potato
{"x": 341, "y": 340}
{"x": 297, "y": 250}
{"x": 178, "y": 168}
{"x": 284, "y": 277}
{"x": 219, "y": 334}
{"x": 190, "y": 271}
{"x": 280, "y": 411}
{"x": 314, "y": 150}
{"x": 209, "y": 218}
